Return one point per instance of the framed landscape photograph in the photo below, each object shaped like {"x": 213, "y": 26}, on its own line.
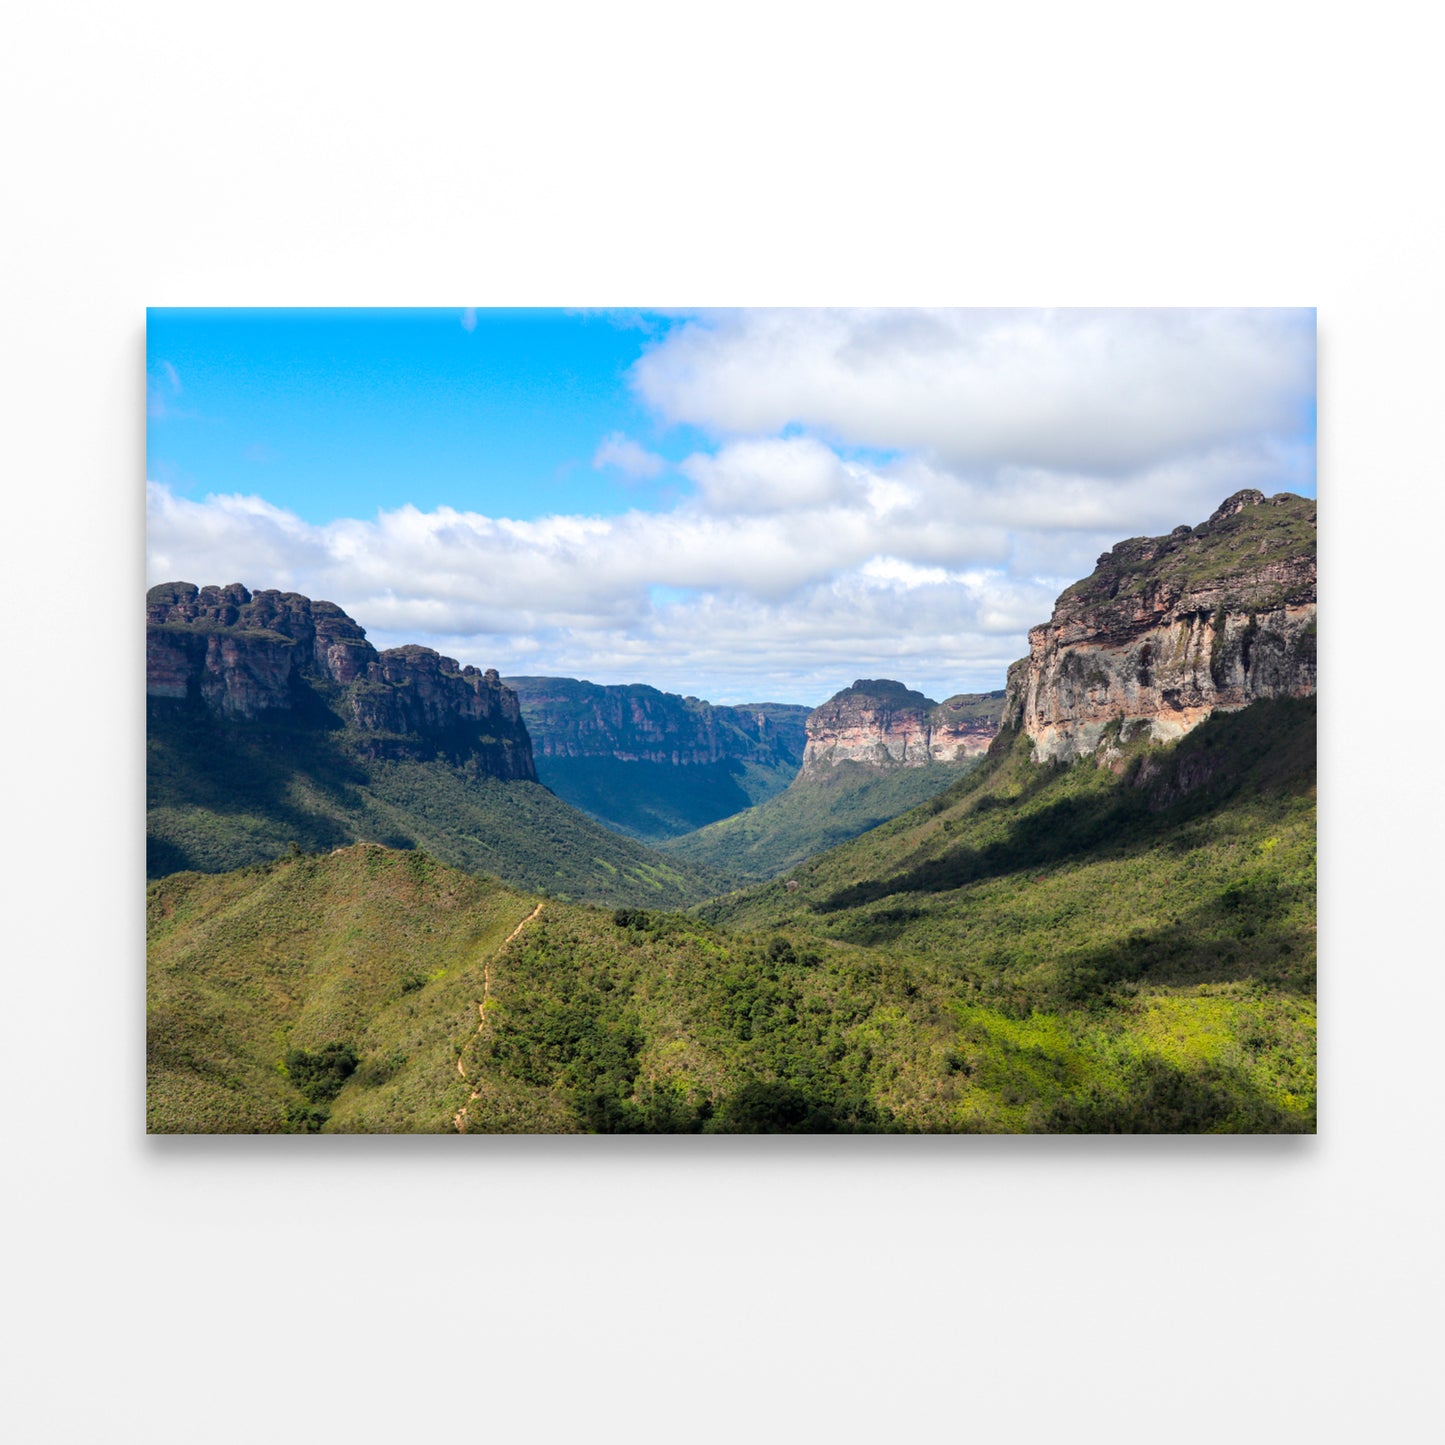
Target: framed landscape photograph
{"x": 741, "y": 721}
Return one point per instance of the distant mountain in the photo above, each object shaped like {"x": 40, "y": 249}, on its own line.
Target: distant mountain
{"x": 882, "y": 722}
{"x": 873, "y": 750}
{"x": 272, "y": 722}
{"x": 653, "y": 764}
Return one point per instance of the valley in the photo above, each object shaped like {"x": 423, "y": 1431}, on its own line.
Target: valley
{"x": 654, "y": 765}
{"x": 1084, "y": 903}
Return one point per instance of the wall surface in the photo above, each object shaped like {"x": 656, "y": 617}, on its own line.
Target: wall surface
{"x": 1021, "y": 1290}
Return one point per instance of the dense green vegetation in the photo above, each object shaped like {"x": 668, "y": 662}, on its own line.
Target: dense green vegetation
{"x": 372, "y": 990}
{"x": 657, "y": 801}
{"x": 223, "y": 795}
{"x": 1125, "y": 951}
{"x": 815, "y": 813}
{"x": 1038, "y": 948}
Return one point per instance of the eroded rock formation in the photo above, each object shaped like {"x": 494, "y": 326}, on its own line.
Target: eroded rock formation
{"x": 242, "y": 656}
{"x": 1167, "y": 630}
{"x": 883, "y": 723}
{"x": 962, "y": 727}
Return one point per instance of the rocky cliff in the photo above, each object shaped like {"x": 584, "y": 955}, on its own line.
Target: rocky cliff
{"x": 883, "y": 723}
{"x": 1167, "y": 630}
{"x": 243, "y": 656}
{"x": 633, "y": 723}
{"x": 962, "y": 727}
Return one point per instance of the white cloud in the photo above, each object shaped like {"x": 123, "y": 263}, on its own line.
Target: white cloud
{"x": 909, "y": 571}
{"x": 627, "y": 456}
{"x": 900, "y": 573}
{"x": 1101, "y": 391}
{"x": 1015, "y": 448}
{"x": 469, "y": 318}
{"x": 783, "y": 474}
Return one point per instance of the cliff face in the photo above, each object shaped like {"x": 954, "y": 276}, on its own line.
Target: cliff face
{"x": 1167, "y": 630}
{"x": 962, "y": 727}
{"x": 636, "y": 723}
{"x": 242, "y": 656}
{"x": 883, "y": 723}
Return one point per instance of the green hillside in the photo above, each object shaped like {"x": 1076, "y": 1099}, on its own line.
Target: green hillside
{"x": 376, "y": 991}
{"x": 1037, "y": 948}
{"x": 1121, "y": 951}
{"x": 223, "y": 795}
{"x": 656, "y": 801}
{"x": 814, "y": 814}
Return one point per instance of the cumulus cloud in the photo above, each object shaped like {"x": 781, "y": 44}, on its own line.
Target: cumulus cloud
{"x": 783, "y": 474}
{"x": 838, "y": 568}
{"x": 628, "y": 457}
{"x": 1103, "y": 391}
{"x": 889, "y": 494}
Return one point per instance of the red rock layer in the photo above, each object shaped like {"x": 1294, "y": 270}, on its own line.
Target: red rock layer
{"x": 885, "y": 724}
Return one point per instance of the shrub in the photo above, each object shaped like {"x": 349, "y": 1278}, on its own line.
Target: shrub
{"x": 306, "y": 1119}
{"x": 320, "y": 1075}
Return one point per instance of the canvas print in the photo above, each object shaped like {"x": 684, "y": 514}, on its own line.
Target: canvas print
{"x": 731, "y": 721}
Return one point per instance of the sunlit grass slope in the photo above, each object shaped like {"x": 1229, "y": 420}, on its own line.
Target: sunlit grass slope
{"x": 1130, "y": 950}
{"x": 814, "y": 814}
{"x": 375, "y": 990}
{"x": 1038, "y": 948}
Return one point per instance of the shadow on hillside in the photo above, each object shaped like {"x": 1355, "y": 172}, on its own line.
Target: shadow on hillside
{"x": 1268, "y": 748}
{"x": 1241, "y": 932}
{"x": 757, "y": 1107}
{"x": 649, "y": 801}
{"x": 1160, "y": 1098}
{"x": 196, "y": 762}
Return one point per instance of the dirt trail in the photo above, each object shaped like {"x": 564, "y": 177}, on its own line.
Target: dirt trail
{"x": 459, "y": 1119}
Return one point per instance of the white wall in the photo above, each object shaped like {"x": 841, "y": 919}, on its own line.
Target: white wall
{"x": 1029, "y": 1289}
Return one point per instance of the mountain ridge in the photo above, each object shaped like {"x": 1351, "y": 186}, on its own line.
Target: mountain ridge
{"x": 652, "y": 764}
{"x": 272, "y": 724}
{"x": 241, "y": 655}
{"x": 1168, "y": 630}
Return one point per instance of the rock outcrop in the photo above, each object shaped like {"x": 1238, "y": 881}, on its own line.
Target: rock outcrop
{"x": 962, "y": 727}
{"x": 1167, "y": 630}
{"x": 885, "y": 724}
{"x": 244, "y": 656}
{"x": 633, "y": 722}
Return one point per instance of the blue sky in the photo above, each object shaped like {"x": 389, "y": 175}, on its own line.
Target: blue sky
{"x": 339, "y": 413}
{"x": 744, "y": 505}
